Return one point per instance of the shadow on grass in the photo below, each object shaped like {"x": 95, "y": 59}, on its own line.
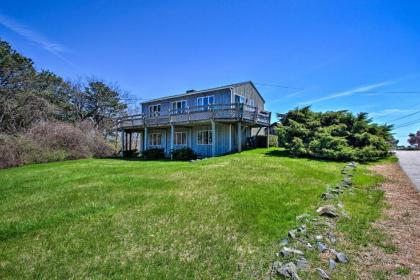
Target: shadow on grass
{"x": 285, "y": 153}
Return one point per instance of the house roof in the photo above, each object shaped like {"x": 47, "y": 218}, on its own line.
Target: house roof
{"x": 188, "y": 93}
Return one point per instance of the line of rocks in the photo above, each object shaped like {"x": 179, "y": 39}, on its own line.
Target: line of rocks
{"x": 309, "y": 235}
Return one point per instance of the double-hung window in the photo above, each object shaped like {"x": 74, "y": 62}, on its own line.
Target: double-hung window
{"x": 155, "y": 139}
{"x": 205, "y": 137}
{"x": 154, "y": 110}
{"x": 204, "y": 102}
{"x": 180, "y": 138}
{"x": 179, "y": 106}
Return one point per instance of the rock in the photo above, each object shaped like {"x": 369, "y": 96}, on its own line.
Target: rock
{"x": 331, "y": 238}
{"x": 345, "y": 214}
{"x": 322, "y": 273}
{"x": 302, "y": 263}
{"x": 290, "y": 251}
{"x": 337, "y": 191}
{"x": 340, "y": 205}
{"x": 327, "y": 195}
{"x": 284, "y": 242}
{"x": 321, "y": 246}
{"x": 332, "y": 264}
{"x": 301, "y": 229}
{"x": 288, "y": 270}
{"x": 341, "y": 257}
{"x": 292, "y": 233}
{"x": 327, "y": 211}
{"x": 318, "y": 237}
{"x": 352, "y": 164}
{"x": 276, "y": 265}
{"x": 307, "y": 244}
{"x": 302, "y": 217}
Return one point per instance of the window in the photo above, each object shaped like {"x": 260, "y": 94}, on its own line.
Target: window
{"x": 179, "y": 106}
{"x": 203, "y": 102}
{"x": 239, "y": 99}
{"x": 155, "y": 139}
{"x": 205, "y": 137}
{"x": 251, "y": 102}
{"x": 180, "y": 138}
{"x": 154, "y": 110}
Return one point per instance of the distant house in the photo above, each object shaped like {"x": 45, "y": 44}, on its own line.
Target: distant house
{"x": 212, "y": 122}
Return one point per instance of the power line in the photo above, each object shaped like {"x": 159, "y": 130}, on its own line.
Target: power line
{"x": 407, "y": 123}
{"x": 406, "y": 116}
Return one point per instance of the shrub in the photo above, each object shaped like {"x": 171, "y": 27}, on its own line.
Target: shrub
{"x": 154, "y": 153}
{"x": 60, "y": 136}
{"x": 131, "y": 153}
{"x": 183, "y": 154}
{"x": 273, "y": 140}
{"x": 333, "y": 135}
{"x": 52, "y": 141}
{"x": 99, "y": 146}
{"x": 11, "y": 153}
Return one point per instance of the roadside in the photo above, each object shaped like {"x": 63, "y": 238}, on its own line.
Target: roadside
{"x": 401, "y": 223}
{"x": 410, "y": 163}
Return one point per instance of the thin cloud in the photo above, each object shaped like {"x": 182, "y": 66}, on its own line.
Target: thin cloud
{"x": 30, "y": 35}
{"x": 388, "y": 112}
{"x": 348, "y": 92}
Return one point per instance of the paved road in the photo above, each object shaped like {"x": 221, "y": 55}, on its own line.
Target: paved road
{"x": 410, "y": 163}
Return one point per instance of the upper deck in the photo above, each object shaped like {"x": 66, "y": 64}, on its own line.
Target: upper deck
{"x": 232, "y": 112}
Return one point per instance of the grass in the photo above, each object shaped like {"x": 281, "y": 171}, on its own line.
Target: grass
{"x": 218, "y": 218}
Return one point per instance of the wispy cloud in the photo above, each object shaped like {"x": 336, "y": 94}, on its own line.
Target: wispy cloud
{"x": 388, "y": 112}
{"x": 348, "y": 92}
{"x": 35, "y": 37}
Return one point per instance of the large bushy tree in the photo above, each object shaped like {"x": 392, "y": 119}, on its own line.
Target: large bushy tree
{"x": 333, "y": 135}
{"x": 28, "y": 96}
{"x": 414, "y": 139}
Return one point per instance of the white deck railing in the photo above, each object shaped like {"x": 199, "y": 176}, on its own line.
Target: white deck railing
{"x": 198, "y": 113}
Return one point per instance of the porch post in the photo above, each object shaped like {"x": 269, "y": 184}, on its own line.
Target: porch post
{"x": 141, "y": 142}
{"x": 230, "y": 137}
{"x": 172, "y": 139}
{"x": 268, "y": 136}
{"x": 130, "y": 139}
{"x": 191, "y": 137}
{"x": 239, "y": 137}
{"x": 145, "y": 139}
{"x": 122, "y": 143}
{"x": 214, "y": 137}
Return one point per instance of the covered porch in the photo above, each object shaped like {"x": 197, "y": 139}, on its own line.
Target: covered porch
{"x": 207, "y": 138}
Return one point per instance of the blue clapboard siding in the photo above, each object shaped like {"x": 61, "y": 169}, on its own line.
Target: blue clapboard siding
{"x": 222, "y": 138}
{"x": 249, "y": 92}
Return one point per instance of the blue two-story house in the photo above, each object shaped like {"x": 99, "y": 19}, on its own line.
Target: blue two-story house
{"x": 212, "y": 122}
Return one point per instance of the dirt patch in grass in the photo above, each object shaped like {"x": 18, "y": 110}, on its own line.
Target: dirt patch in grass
{"x": 399, "y": 258}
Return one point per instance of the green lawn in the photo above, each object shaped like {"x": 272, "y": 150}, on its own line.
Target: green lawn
{"x": 218, "y": 218}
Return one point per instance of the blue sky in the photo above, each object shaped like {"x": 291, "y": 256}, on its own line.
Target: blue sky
{"x": 355, "y": 55}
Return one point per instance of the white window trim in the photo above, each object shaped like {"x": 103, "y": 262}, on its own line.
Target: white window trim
{"x": 244, "y": 99}
{"x": 151, "y": 138}
{"x": 207, "y": 96}
{"x": 150, "y": 111}
{"x": 209, "y": 132}
{"x": 180, "y": 132}
{"x": 172, "y": 104}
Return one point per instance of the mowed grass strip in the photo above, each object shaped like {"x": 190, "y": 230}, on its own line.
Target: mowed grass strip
{"x": 218, "y": 218}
